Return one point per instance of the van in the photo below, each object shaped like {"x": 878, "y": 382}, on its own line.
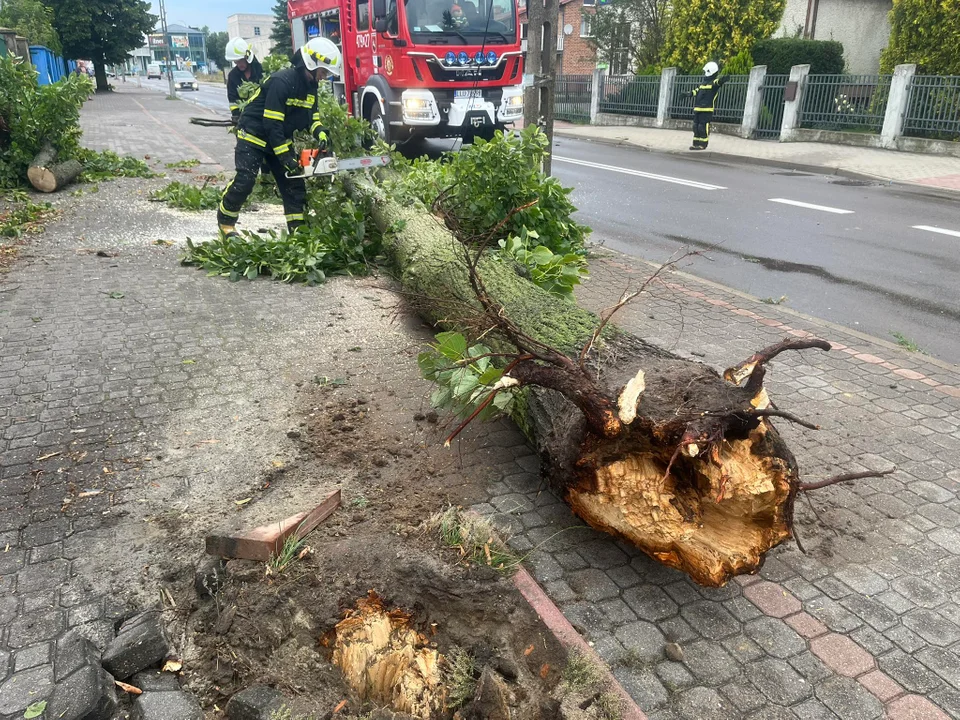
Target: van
{"x": 154, "y": 71}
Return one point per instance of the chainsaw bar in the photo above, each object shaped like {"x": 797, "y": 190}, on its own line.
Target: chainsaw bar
{"x": 331, "y": 165}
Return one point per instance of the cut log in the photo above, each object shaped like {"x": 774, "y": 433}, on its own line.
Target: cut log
{"x": 688, "y": 467}
{"x": 48, "y": 176}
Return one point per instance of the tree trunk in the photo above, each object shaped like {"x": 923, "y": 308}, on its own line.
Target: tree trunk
{"x": 700, "y": 479}
{"x": 100, "y": 72}
{"x": 47, "y": 176}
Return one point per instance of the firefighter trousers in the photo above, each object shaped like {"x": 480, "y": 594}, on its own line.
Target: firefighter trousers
{"x": 249, "y": 158}
{"x": 701, "y": 128}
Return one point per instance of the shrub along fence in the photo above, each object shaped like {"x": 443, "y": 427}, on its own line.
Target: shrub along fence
{"x": 889, "y": 111}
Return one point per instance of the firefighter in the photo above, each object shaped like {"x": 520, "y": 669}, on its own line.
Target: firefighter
{"x": 285, "y": 103}
{"x": 246, "y": 68}
{"x": 705, "y": 97}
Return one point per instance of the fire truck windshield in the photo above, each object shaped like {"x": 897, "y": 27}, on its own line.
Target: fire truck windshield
{"x": 468, "y": 22}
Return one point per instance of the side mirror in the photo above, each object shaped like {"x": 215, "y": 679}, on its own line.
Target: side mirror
{"x": 379, "y": 8}
{"x": 380, "y": 25}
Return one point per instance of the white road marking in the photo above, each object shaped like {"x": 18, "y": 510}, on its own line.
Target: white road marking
{"x": 639, "y": 173}
{"x": 811, "y": 206}
{"x": 942, "y": 231}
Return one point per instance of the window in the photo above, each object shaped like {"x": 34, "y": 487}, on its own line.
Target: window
{"x": 589, "y": 3}
{"x": 586, "y": 26}
{"x": 256, "y": 30}
{"x": 363, "y": 15}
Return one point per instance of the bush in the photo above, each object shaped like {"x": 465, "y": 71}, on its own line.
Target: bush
{"x": 31, "y": 115}
{"x": 925, "y": 32}
{"x": 740, "y": 64}
{"x": 825, "y": 57}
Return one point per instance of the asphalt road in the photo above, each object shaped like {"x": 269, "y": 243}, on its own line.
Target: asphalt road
{"x": 876, "y": 258}
{"x": 212, "y": 97}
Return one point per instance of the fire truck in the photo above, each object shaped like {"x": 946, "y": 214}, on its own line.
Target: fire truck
{"x": 422, "y": 68}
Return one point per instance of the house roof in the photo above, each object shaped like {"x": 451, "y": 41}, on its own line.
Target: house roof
{"x": 179, "y": 29}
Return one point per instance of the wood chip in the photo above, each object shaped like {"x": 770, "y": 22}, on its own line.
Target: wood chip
{"x": 128, "y": 688}
{"x": 340, "y": 706}
{"x": 527, "y": 652}
{"x": 47, "y": 457}
{"x": 544, "y": 671}
{"x": 172, "y": 666}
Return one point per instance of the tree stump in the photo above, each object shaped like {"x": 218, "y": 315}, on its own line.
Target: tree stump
{"x": 47, "y": 176}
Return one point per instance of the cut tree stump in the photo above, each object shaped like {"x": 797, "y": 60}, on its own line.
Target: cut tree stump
{"x": 47, "y": 176}
{"x": 687, "y": 465}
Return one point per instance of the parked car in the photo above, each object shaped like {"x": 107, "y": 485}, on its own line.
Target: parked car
{"x": 184, "y": 80}
{"x": 154, "y": 71}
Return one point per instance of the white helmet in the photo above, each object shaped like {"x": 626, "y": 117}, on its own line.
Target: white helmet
{"x": 322, "y": 53}
{"x": 238, "y": 49}
{"x": 711, "y": 68}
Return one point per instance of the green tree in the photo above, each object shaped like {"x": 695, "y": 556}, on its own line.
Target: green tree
{"x": 630, "y": 33}
{"x": 33, "y": 20}
{"x": 102, "y": 30}
{"x": 924, "y": 32}
{"x": 217, "y": 48}
{"x": 704, "y": 30}
{"x": 280, "y": 32}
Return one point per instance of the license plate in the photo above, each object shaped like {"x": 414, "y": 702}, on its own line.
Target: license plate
{"x": 467, "y": 94}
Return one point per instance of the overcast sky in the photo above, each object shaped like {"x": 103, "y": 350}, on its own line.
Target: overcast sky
{"x": 212, "y": 12}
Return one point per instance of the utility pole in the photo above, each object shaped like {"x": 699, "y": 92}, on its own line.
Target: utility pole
{"x": 542, "y": 19}
{"x": 166, "y": 42}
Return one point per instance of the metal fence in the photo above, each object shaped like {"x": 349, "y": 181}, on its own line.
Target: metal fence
{"x": 729, "y": 103}
{"x": 933, "y": 107}
{"x": 572, "y": 98}
{"x": 630, "y": 95}
{"x": 771, "y": 107}
{"x": 845, "y": 102}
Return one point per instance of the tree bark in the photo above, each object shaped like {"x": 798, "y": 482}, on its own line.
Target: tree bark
{"x": 700, "y": 480}
{"x": 100, "y": 73}
{"x": 46, "y": 175}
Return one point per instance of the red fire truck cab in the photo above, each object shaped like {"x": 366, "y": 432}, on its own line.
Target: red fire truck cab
{"x": 422, "y": 68}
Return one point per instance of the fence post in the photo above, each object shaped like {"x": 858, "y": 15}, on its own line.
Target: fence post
{"x": 666, "y": 94}
{"x": 754, "y": 101}
{"x": 791, "y": 108}
{"x": 897, "y": 104}
{"x": 595, "y": 95}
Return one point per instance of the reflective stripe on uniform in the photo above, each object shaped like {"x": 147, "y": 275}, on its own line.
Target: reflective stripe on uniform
{"x": 293, "y": 216}
{"x": 709, "y": 109}
{"x": 297, "y": 102}
{"x": 281, "y": 149}
{"x": 228, "y": 213}
{"x": 273, "y": 115}
{"x": 234, "y": 107}
{"x": 316, "y": 126}
{"x": 244, "y": 135}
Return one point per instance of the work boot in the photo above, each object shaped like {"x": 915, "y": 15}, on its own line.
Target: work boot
{"x": 228, "y": 231}
{"x": 694, "y": 147}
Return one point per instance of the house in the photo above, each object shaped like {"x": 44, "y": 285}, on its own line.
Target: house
{"x": 861, "y": 26}
{"x": 187, "y": 45}
{"x": 255, "y": 29}
{"x": 575, "y": 54}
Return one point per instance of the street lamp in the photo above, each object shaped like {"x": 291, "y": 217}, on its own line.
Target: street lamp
{"x": 166, "y": 42}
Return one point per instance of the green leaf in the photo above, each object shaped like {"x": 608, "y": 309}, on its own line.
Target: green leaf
{"x": 35, "y": 710}
{"x": 490, "y": 376}
{"x": 452, "y": 345}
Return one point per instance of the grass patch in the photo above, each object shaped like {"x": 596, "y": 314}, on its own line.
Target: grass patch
{"x": 774, "y": 301}
{"x": 192, "y": 162}
{"x": 474, "y": 537}
{"x": 581, "y": 675}
{"x": 291, "y": 551}
{"x": 360, "y": 502}
{"x": 906, "y": 343}
{"x": 24, "y": 217}
{"x": 460, "y": 678}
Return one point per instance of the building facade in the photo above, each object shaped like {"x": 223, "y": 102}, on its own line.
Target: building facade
{"x": 575, "y": 53}
{"x": 255, "y": 29}
{"x": 188, "y": 47}
{"x": 861, "y": 26}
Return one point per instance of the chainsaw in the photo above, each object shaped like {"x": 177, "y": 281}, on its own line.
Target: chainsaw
{"x": 315, "y": 164}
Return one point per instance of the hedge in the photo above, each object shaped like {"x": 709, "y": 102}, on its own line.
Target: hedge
{"x": 825, "y": 57}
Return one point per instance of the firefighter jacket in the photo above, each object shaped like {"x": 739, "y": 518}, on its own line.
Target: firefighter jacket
{"x": 235, "y": 79}
{"x": 285, "y": 103}
{"x": 705, "y": 95}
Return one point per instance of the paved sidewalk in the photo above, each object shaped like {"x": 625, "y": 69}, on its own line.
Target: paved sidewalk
{"x": 866, "y": 625}
{"x": 929, "y": 170}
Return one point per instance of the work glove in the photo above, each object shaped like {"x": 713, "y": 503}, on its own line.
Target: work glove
{"x": 291, "y": 165}
{"x": 322, "y": 140}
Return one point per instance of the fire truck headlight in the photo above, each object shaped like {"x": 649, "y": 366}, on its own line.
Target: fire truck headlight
{"x": 516, "y": 100}
{"x": 414, "y": 104}
{"x": 419, "y": 107}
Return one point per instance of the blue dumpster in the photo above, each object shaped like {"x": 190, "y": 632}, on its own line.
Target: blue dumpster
{"x": 49, "y": 66}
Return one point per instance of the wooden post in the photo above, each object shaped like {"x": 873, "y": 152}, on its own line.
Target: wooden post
{"x": 542, "y": 18}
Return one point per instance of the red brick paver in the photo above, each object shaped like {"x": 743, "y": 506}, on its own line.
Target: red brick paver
{"x": 806, "y": 625}
{"x": 842, "y": 655}
{"x": 914, "y": 707}
{"x": 881, "y": 685}
{"x": 772, "y": 599}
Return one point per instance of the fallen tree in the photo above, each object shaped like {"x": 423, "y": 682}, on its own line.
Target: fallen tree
{"x": 47, "y": 175}
{"x": 656, "y": 449}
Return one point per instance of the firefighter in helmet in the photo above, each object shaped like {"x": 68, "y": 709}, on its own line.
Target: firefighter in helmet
{"x": 704, "y": 102}
{"x": 246, "y": 68}
{"x": 285, "y": 103}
